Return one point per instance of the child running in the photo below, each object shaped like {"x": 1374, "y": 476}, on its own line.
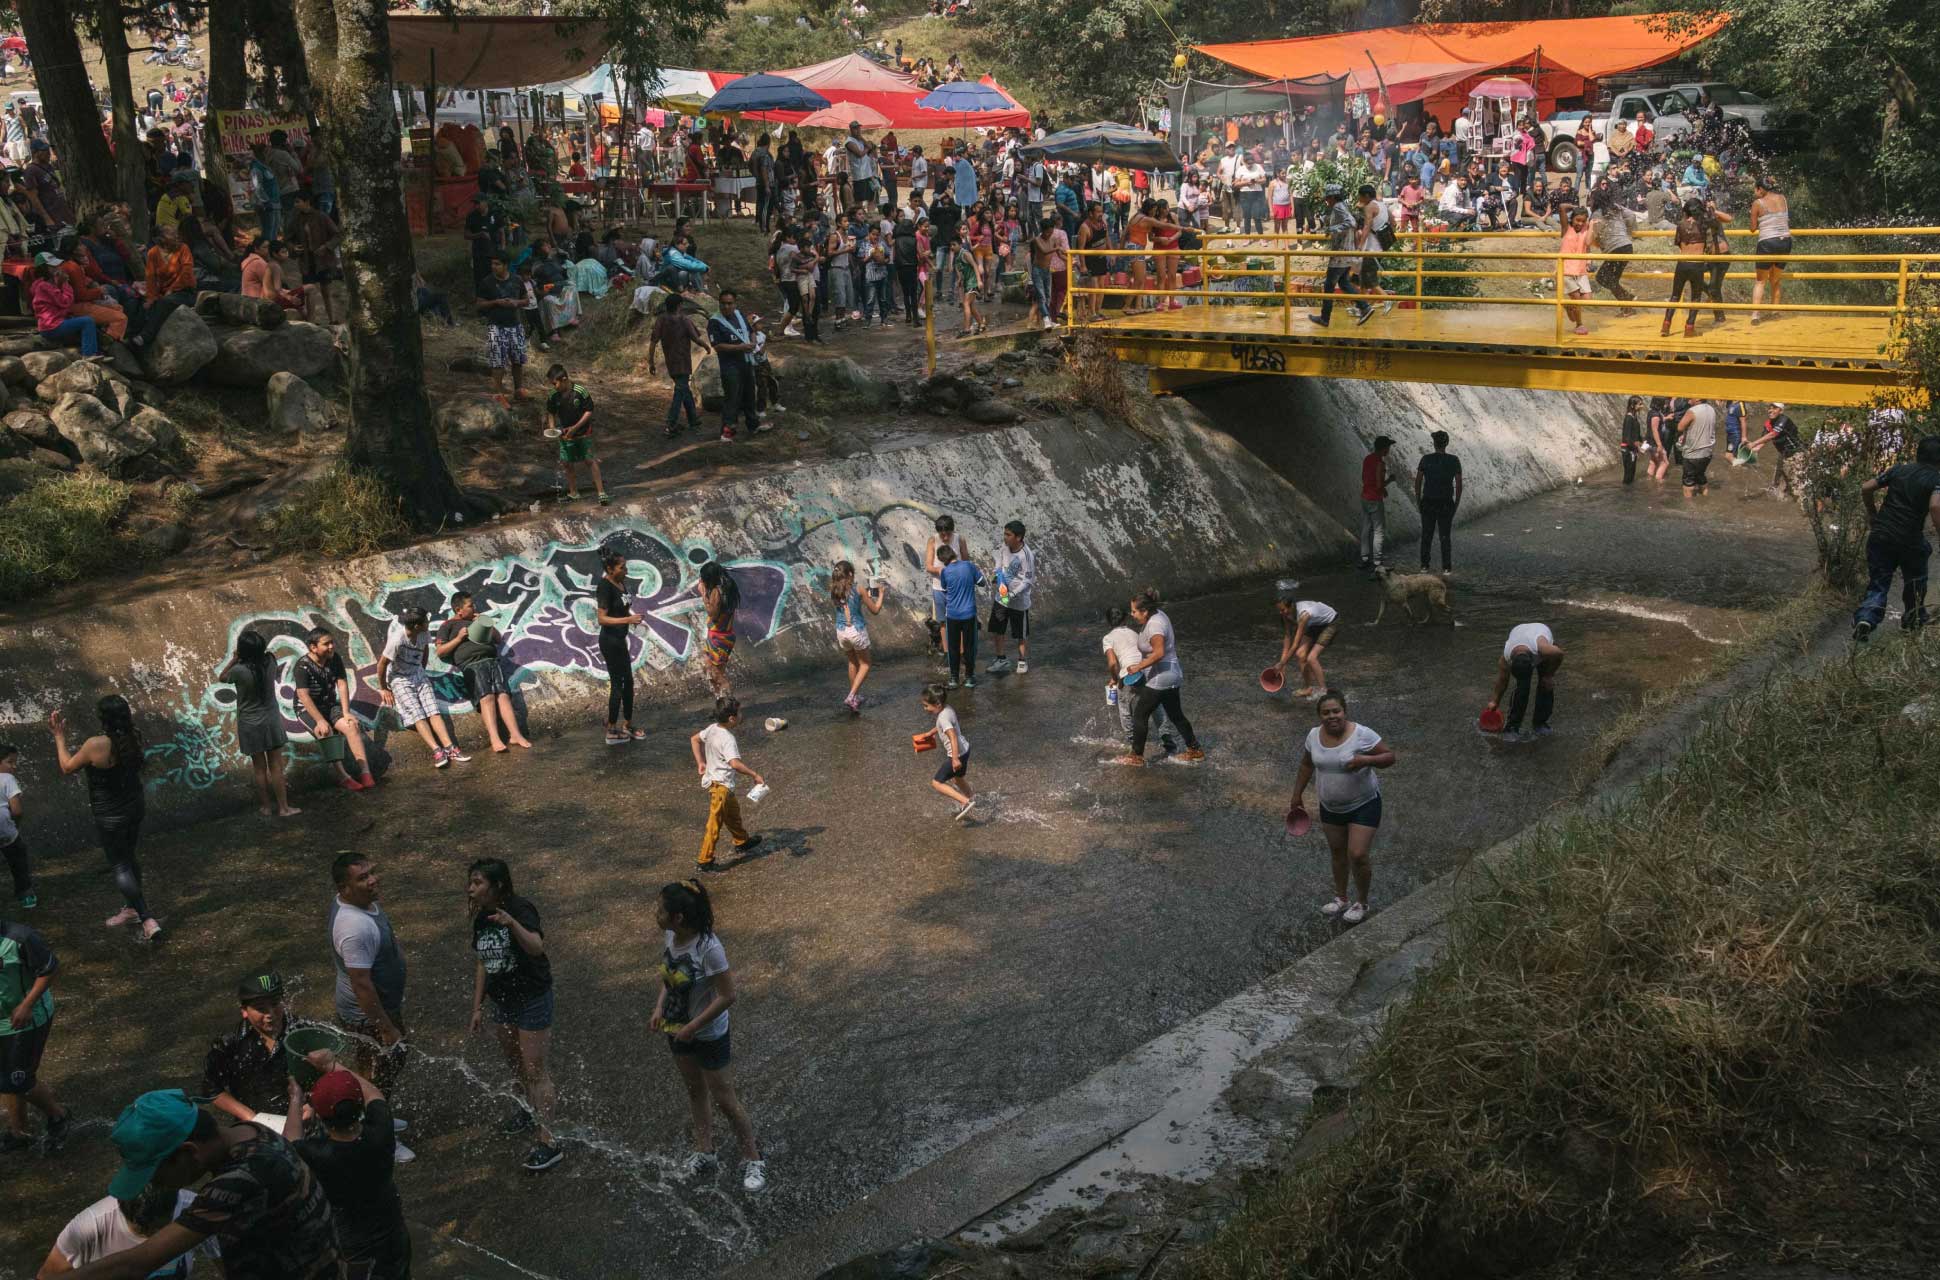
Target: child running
{"x": 948, "y": 734}
{"x": 718, "y": 757}
{"x": 852, "y": 626}
{"x": 696, "y": 991}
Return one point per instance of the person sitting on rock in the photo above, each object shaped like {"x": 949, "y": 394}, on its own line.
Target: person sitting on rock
{"x": 171, "y": 282}
{"x": 91, "y": 299}
{"x": 53, "y": 303}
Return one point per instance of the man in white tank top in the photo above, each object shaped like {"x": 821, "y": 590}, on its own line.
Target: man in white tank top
{"x": 1530, "y": 651}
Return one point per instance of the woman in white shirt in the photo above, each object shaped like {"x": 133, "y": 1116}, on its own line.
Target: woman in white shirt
{"x": 1341, "y": 758}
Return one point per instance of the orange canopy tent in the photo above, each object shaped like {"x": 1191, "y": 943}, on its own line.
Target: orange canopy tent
{"x": 1432, "y": 60}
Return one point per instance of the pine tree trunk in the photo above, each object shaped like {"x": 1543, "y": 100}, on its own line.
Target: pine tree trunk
{"x": 348, "y": 47}
{"x": 67, "y": 103}
{"x": 130, "y": 161}
{"x": 228, "y": 76}
{"x": 273, "y": 25}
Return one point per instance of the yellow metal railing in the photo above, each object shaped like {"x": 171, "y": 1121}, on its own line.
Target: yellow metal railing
{"x": 1290, "y": 260}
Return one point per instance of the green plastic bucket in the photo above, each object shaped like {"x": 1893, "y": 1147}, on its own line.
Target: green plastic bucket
{"x": 298, "y": 1044}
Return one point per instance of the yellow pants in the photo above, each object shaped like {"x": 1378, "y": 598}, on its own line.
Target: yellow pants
{"x": 723, "y": 810}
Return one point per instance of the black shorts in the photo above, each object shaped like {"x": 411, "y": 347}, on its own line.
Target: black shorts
{"x": 1769, "y": 251}
{"x": 947, "y": 772}
{"x": 1694, "y": 469}
{"x": 20, "y": 1057}
{"x": 1367, "y": 814}
{"x": 1016, "y": 621}
{"x": 484, "y": 679}
{"x": 714, "y": 1054}
{"x": 1370, "y": 274}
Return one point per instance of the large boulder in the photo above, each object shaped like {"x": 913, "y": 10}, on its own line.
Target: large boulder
{"x": 249, "y": 357}
{"x": 120, "y": 394}
{"x": 233, "y": 308}
{"x": 37, "y": 427}
{"x": 53, "y": 459}
{"x": 157, "y": 426}
{"x": 992, "y": 412}
{"x": 13, "y": 371}
{"x": 98, "y": 434}
{"x": 122, "y": 358}
{"x": 475, "y": 419}
{"x": 295, "y": 408}
{"x": 19, "y": 344}
{"x": 45, "y": 364}
{"x": 847, "y": 384}
{"x": 180, "y": 350}
{"x": 85, "y": 378}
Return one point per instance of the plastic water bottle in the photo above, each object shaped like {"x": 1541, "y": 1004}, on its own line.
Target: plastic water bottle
{"x": 1111, "y": 695}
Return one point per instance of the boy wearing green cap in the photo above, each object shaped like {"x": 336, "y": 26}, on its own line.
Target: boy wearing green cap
{"x": 261, "y": 1200}
{"x": 27, "y": 968}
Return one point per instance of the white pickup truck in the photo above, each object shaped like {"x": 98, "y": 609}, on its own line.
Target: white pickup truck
{"x": 1667, "y": 111}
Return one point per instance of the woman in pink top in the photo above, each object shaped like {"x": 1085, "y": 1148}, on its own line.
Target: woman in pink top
{"x": 1576, "y": 271}
{"x": 53, "y": 302}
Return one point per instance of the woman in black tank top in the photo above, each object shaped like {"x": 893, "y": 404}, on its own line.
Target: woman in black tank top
{"x": 112, "y": 761}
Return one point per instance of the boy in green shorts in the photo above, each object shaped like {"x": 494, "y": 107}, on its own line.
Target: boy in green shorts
{"x": 569, "y": 411}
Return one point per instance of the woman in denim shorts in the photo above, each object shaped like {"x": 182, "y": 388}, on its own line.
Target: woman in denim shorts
{"x": 513, "y": 969}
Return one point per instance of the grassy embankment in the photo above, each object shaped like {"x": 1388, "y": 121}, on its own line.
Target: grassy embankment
{"x": 1692, "y": 1027}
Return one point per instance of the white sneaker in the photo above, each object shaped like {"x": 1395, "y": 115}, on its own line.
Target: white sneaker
{"x": 754, "y": 1176}
{"x": 404, "y": 1154}
{"x": 777, "y": 408}
{"x": 1335, "y": 907}
{"x": 1048, "y": 324}
{"x": 1355, "y": 914}
{"x": 1022, "y": 666}
{"x": 699, "y": 1164}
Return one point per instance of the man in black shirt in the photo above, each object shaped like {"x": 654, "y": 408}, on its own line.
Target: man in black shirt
{"x": 482, "y": 230}
{"x": 1438, "y": 490}
{"x": 246, "y": 1073}
{"x": 323, "y": 696}
{"x": 1783, "y": 435}
{"x": 355, "y": 1161}
{"x": 1896, "y": 540}
{"x": 500, "y": 298}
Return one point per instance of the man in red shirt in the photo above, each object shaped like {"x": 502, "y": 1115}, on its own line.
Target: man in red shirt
{"x": 1374, "y": 503}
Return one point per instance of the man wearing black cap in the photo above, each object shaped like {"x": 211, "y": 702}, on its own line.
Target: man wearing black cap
{"x": 1374, "y": 503}
{"x": 246, "y": 1073}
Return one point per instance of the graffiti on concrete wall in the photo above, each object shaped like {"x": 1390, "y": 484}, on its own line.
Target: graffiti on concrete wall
{"x": 543, "y": 606}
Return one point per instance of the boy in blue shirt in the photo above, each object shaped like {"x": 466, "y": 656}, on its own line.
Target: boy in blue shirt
{"x": 961, "y": 578}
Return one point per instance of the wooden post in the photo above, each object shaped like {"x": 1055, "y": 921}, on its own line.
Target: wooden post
{"x": 929, "y": 323}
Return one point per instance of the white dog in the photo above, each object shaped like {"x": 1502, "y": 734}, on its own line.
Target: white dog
{"x": 1401, "y": 588}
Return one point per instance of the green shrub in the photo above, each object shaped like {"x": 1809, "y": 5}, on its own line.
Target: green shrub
{"x": 347, "y": 513}
{"x": 62, "y": 529}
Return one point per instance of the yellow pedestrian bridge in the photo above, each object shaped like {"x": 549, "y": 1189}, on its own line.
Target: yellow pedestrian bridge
{"x": 1833, "y": 339}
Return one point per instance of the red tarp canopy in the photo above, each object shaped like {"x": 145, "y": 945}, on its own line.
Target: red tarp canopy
{"x": 1429, "y": 60}
{"x": 854, "y": 78}
{"x": 491, "y": 53}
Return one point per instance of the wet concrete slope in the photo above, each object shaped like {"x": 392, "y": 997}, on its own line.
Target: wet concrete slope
{"x": 1109, "y": 509}
{"x": 1255, "y": 478}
